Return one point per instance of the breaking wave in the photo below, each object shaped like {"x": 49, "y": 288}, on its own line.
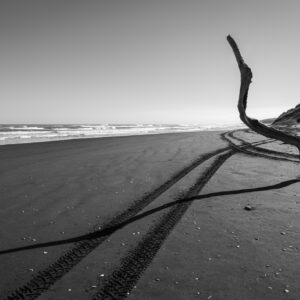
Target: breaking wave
{"x": 26, "y": 133}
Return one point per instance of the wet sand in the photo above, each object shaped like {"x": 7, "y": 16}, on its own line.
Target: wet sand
{"x": 150, "y": 217}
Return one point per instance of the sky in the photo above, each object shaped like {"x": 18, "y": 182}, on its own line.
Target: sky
{"x": 145, "y": 61}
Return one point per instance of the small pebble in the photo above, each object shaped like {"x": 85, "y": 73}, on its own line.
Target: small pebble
{"x": 31, "y": 270}
{"x": 123, "y": 244}
{"x": 69, "y": 290}
{"x": 102, "y": 275}
{"x": 286, "y": 291}
{"x": 45, "y": 252}
{"x": 270, "y": 288}
{"x": 282, "y": 233}
{"x": 249, "y": 207}
{"x": 157, "y": 279}
{"x": 238, "y": 246}
{"x": 198, "y": 228}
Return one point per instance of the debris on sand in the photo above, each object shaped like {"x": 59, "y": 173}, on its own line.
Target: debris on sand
{"x": 249, "y": 207}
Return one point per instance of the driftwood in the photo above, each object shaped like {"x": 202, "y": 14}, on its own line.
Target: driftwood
{"x": 255, "y": 125}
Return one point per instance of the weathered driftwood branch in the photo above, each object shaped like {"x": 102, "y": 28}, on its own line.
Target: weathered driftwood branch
{"x": 255, "y": 125}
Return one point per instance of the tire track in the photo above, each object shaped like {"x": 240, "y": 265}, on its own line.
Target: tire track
{"x": 263, "y": 150}
{"x": 119, "y": 284}
{"x": 122, "y": 280}
{"x": 252, "y": 149}
{"x": 47, "y": 277}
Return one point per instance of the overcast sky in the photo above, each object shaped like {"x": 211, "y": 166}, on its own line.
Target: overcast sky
{"x": 145, "y": 61}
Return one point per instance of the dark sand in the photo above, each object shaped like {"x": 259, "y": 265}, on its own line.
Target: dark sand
{"x": 53, "y": 195}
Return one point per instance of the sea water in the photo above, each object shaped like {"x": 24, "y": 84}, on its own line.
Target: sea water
{"x": 27, "y": 133}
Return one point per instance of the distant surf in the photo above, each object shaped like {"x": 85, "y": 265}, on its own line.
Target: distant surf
{"x": 28, "y": 133}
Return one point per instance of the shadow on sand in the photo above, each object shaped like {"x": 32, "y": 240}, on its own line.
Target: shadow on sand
{"x": 109, "y": 230}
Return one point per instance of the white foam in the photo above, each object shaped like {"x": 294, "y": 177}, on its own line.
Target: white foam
{"x": 25, "y": 127}
{"x": 25, "y": 133}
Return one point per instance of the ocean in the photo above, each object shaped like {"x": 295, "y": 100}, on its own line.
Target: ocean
{"x": 29, "y": 133}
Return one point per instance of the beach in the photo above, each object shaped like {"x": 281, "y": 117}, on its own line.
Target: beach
{"x": 188, "y": 215}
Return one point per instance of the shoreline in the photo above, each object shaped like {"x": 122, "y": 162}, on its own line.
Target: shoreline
{"x": 70, "y": 135}
{"x": 113, "y": 136}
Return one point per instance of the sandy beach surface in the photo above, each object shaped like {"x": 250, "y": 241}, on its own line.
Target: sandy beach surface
{"x": 201, "y": 215}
